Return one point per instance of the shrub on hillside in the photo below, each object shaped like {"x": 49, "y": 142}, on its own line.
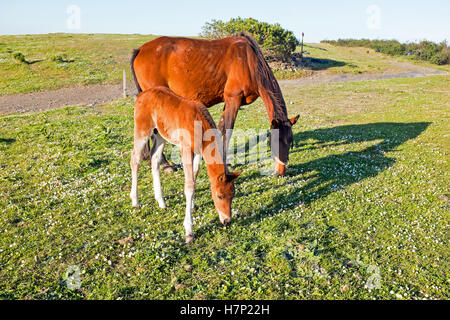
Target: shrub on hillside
{"x": 19, "y": 57}
{"x": 57, "y": 58}
{"x": 436, "y": 53}
{"x": 274, "y": 41}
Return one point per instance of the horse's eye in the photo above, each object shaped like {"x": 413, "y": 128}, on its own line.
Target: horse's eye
{"x": 221, "y": 197}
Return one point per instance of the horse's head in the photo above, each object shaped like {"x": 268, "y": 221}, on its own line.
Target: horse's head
{"x": 281, "y": 142}
{"x": 223, "y": 193}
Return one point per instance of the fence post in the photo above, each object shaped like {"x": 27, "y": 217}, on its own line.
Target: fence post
{"x": 124, "y": 86}
{"x": 301, "y": 52}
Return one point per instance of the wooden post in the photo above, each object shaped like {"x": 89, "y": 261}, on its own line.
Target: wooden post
{"x": 301, "y": 52}
{"x": 124, "y": 87}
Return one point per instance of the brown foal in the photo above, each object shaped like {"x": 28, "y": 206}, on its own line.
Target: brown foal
{"x": 167, "y": 117}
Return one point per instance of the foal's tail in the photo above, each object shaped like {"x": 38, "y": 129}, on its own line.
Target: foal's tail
{"x": 133, "y": 57}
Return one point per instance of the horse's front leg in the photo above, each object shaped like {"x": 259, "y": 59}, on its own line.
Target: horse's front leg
{"x": 227, "y": 121}
{"x": 195, "y": 168}
{"x": 189, "y": 189}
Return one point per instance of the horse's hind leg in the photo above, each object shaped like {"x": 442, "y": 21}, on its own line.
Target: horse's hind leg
{"x": 167, "y": 167}
{"x": 156, "y": 162}
{"x": 147, "y": 153}
{"x": 142, "y": 128}
{"x": 136, "y": 159}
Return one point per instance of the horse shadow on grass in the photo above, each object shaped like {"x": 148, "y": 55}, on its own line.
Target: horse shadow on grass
{"x": 7, "y": 140}
{"x": 337, "y": 171}
{"x": 322, "y": 64}
{"x": 329, "y": 174}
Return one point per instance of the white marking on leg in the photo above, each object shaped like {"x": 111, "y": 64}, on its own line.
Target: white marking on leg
{"x": 156, "y": 163}
{"x": 136, "y": 159}
{"x": 189, "y": 189}
{"x": 188, "y": 220}
{"x": 195, "y": 168}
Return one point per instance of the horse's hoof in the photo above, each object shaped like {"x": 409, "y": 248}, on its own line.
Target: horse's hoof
{"x": 169, "y": 168}
{"x": 136, "y": 204}
{"x": 162, "y": 206}
{"x": 189, "y": 239}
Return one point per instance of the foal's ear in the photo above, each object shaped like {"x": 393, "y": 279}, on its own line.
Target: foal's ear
{"x": 233, "y": 175}
{"x": 276, "y": 123}
{"x": 294, "y": 119}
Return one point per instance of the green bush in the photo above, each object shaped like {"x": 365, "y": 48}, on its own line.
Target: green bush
{"x": 436, "y": 53}
{"x": 57, "y": 58}
{"x": 19, "y": 57}
{"x": 275, "y": 41}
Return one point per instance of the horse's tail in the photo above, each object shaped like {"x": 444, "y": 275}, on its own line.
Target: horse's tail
{"x": 133, "y": 57}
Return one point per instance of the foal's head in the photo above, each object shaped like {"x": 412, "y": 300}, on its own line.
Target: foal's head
{"x": 223, "y": 193}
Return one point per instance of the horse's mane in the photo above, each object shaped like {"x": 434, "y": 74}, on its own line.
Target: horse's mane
{"x": 266, "y": 79}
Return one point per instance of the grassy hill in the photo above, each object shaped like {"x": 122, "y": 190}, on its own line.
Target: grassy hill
{"x": 60, "y": 60}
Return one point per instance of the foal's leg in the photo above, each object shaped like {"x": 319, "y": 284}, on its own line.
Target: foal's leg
{"x": 189, "y": 189}
{"x": 195, "y": 167}
{"x": 136, "y": 159}
{"x": 156, "y": 162}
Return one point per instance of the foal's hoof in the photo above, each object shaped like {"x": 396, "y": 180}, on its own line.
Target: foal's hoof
{"x": 136, "y": 204}
{"x": 189, "y": 239}
{"x": 162, "y": 205}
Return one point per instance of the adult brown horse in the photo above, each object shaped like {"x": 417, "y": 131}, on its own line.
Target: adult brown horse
{"x": 231, "y": 70}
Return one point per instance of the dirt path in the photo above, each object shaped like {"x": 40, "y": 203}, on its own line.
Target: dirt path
{"x": 410, "y": 71}
{"x": 101, "y": 93}
{"x": 46, "y": 100}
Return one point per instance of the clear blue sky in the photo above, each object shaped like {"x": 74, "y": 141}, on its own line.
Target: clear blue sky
{"x": 323, "y": 19}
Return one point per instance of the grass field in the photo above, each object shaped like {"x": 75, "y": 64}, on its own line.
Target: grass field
{"x": 359, "y": 60}
{"x": 61, "y": 60}
{"x": 362, "y": 213}
{"x": 85, "y": 59}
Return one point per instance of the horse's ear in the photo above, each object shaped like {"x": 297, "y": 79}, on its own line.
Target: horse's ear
{"x": 233, "y": 175}
{"x": 294, "y": 119}
{"x": 276, "y": 123}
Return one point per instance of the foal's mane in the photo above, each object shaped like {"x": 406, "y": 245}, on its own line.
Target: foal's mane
{"x": 207, "y": 116}
{"x": 267, "y": 80}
